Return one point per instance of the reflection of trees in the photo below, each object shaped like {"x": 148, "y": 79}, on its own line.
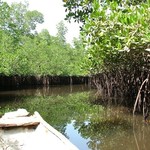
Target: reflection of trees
{"x": 111, "y": 129}
{"x": 105, "y": 129}
{"x": 57, "y": 110}
{"x": 92, "y": 121}
{"x": 100, "y": 130}
{"x": 141, "y": 131}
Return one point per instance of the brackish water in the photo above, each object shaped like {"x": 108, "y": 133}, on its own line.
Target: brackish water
{"x": 88, "y": 125}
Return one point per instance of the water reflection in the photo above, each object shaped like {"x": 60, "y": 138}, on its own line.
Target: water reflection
{"x": 75, "y": 136}
{"x": 43, "y": 91}
{"x": 87, "y": 125}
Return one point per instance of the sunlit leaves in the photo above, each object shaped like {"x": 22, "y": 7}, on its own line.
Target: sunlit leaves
{"x": 78, "y": 9}
{"x": 61, "y": 32}
{"x": 23, "y": 51}
{"x": 32, "y": 18}
{"x": 111, "y": 27}
{"x": 107, "y": 34}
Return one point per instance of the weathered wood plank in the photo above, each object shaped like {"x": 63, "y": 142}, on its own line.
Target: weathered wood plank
{"x": 19, "y": 121}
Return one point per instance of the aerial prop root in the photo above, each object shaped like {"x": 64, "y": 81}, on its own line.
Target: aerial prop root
{"x": 138, "y": 98}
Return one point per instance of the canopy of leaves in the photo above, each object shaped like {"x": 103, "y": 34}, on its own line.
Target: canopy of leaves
{"x": 80, "y": 10}
{"x": 115, "y": 32}
{"x": 23, "y": 51}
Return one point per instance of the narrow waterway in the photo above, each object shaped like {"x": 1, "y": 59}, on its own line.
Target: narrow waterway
{"x": 88, "y": 125}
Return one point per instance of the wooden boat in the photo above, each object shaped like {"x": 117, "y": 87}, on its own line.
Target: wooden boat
{"x": 19, "y": 131}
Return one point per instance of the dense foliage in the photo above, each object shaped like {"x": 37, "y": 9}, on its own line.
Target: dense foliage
{"x": 110, "y": 29}
{"x": 117, "y": 38}
{"x": 23, "y": 51}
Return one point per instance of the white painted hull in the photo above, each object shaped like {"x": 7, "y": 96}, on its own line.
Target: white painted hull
{"x": 41, "y": 137}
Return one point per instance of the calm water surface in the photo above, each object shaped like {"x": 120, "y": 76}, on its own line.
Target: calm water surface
{"x": 72, "y": 111}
